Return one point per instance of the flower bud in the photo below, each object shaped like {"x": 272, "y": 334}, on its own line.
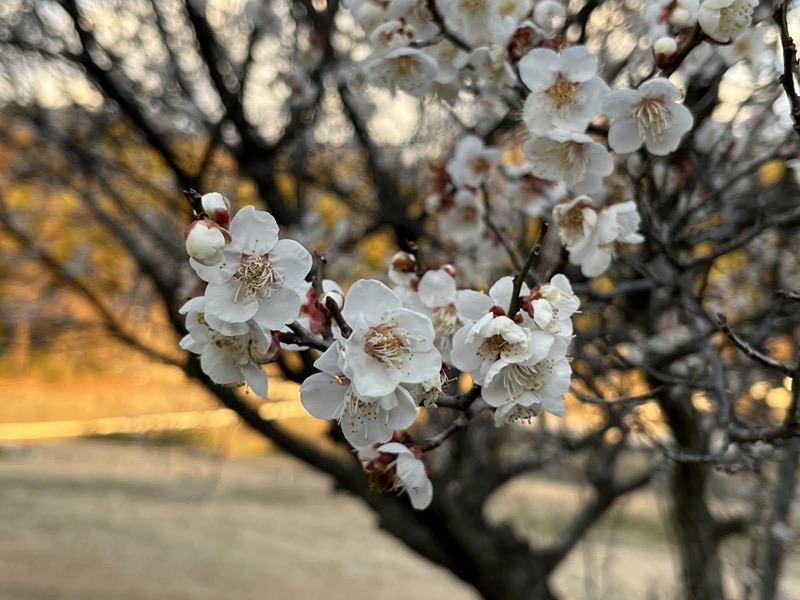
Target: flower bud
{"x": 271, "y": 354}
{"x": 217, "y": 207}
{"x": 664, "y": 51}
{"x": 679, "y": 17}
{"x": 403, "y": 270}
{"x": 449, "y": 269}
{"x": 335, "y": 296}
{"x": 205, "y": 241}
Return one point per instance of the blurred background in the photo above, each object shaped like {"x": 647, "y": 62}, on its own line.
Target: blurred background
{"x": 124, "y": 474}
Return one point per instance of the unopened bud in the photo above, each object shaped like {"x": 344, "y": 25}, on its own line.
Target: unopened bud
{"x": 549, "y": 15}
{"x": 205, "y": 241}
{"x": 403, "y": 270}
{"x": 449, "y": 269}
{"x": 679, "y": 17}
{"x": 664, "y": 51}
{"x": 217, "y": 207}
{"x": 271, "y": 354}
{"x": 336, "y": 297}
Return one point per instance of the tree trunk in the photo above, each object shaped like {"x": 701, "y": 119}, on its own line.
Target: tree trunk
{"x": 695, "y": 528}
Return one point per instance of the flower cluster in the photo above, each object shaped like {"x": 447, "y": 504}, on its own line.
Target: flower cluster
{"x": 253, "y": 289}
{"x": 382, "y": 353}
{"x": 518, "y": 359}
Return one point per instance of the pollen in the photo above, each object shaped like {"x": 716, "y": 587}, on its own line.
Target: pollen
{"x": 388, "y": 344}
{"x": 518, "y": 378}
{"x": 563, "y": 92}
{"x": 573, "y": 155}
{"x": 652, "y": 117}
{"x": 257, "y": 277}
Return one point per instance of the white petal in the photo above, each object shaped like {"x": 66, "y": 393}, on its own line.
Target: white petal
{"x": 369, "y": 298}
{"x": 292, "y": 261}
{"x": 254, "y": 231}
{"x": 322, "y": 396}
{"x": 222, "y": 301}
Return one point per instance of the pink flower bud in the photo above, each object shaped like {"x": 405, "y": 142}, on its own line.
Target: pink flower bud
{"x": 217, "y": 207}
{"x": 263, "y": 358}
{"x": 449, "y": 269}
{"x": 205, "y": 241}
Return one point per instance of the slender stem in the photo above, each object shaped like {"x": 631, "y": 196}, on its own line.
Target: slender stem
{"x": 789, "y": 63}
{"x": 520, "y": 279}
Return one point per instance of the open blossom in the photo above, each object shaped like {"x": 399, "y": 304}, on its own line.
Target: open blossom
{"x": 571, "y": 157}
{"x": 405, "y": 467}
{"x": 472, "y": 162}
{"x": 589, "y": 234}
{"x": 407, "y": 69}
{"x": 649, "y": 116}
{"x": 478, "y": 346}
{"x": 521, "y": 390}
{"x": 389, "y": 344}
{"x": 230, "y": 353}
{"x": 552, "y": 305}
{"x": 460, "y": 217}
{"x": 363, "y": 419}
{"x": 723, "y": 20}
{"x": 565, "y": 89}
{"x": 435, "y": 296}
{"x": 259, "y": 274}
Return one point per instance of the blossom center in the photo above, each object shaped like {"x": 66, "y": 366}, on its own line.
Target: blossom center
{"x": 563, "y": 92}
{"x": 573, "y": 156}
{"x": 518, "y": 378}
{"x": 652, "y": 117}
{"x": 445, "y": 320}
{"x": 492, "y": 346}
{"x": 734, "y": 18}
{"x": 388, "y": 344}
{"x": 257, "y": 276}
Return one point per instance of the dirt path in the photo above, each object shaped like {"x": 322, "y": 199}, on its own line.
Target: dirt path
{"x": 91, "y": 520}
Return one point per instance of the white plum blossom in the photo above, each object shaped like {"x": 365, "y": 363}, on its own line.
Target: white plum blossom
{"x": 230, "y": 353}
{"x": 436, "y": 296}
{"x": 571, "y": 157}
{"x": 259, "y": 274}
{"x": 670, "y": 16}
{"x": 749, "y": 46}
{"x": 472, "y": 162}
{"x": 469, "y": 18}
{"x": 410, "y": 474}
{"x": 533, "y": 195}
{"x": 549, "y": 15}
{"x": 724, "y": 20}
{"x": 589, "y": 234}
{"x": 389, "y": 344}
{"x": 552, "y": 306}
{"x": 407, "y": 69}
{"x": 478, "y": 346}
{"x": 461, "y": 217}
{"x": 363, "y": 419}
{"x": 415, "y": 14}
{"x": 521, "y": 390}
{"x": 565, "y": 89}
{"x": 390, "y": 36}
{"x": 489, "y": 58}
{"x": 649, "y": 116}
{"x": 205, "y": 242}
